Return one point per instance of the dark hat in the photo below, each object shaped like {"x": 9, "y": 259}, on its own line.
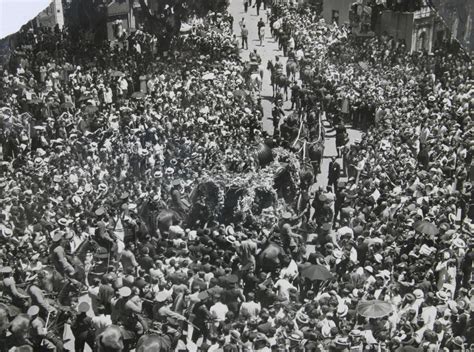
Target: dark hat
{"x": 410, "y": 297}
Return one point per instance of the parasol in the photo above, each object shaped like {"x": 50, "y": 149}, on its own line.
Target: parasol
{"x": 374, "y": 309}
{"x": 138, "y": 95}
{"x": 316, "y": 273}
{"x": 91, "y": 108}
{"x": 426, "y": 227}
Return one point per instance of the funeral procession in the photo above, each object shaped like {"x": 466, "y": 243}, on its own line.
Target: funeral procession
{"x": 237, "y": 176}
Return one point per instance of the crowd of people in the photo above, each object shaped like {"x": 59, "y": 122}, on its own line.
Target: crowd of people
{"x": 93, "y": 134}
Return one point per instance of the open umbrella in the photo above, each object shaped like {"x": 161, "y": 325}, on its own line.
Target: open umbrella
{"x": 138, "y": 95}
{"x": 316, "y": 273}
{"x": 91, "y": 109}
{"x": 427, "y": 228}
{"x": 374, "y": 309}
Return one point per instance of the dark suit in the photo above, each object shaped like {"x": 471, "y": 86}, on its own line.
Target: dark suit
{"x": 334, "y": 174}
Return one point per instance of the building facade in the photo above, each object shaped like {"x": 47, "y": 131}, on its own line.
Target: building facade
{"x": 420, "y": 30}
{"x": 336, "y": 11}
{"x": 51, "y": 16}
{"x": 120, "y": 19}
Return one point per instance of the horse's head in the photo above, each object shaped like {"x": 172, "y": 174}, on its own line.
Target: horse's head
{"x": 111, "y": 340}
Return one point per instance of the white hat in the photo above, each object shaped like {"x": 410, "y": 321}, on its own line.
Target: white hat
{"x": 230, "y": 230}
{"x": 418, "y": 293}
{"x": 342, "y": 310}
{"x": 459, "y": 243}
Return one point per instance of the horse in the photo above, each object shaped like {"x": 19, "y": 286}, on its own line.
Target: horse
{"x": 148, "y": 212}
{"x": 167, "y": 218}
{"x": 291, "y": 68}
{"x": 284, "y": 184}
{"x": 307, "y": 74}
{"x": 282, "y": 82}
{"x": 270, "y": 257}
{"x": 51, "y": 281}
{"x": 255, "y": 81}
{"x": 153, "y": 343}
{"x": 315, "y": 154}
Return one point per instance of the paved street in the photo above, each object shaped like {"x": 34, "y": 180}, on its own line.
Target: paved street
{"x": 268, "y": 52}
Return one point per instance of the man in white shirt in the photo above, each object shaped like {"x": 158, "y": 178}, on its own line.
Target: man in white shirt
{"x": 219, "y": 309}
{"x": 250, "y": 309}
{"x": 101, "y": 322}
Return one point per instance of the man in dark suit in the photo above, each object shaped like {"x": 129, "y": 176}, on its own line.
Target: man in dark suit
{"x": 334, "y": 173}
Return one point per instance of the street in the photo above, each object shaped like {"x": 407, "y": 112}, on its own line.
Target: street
{"x": 267, "y": 52}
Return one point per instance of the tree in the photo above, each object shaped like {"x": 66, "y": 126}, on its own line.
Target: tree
{"x": 166, "y": 21}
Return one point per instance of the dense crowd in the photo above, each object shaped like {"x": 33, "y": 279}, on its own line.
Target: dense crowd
{"x": 93, "y": 136}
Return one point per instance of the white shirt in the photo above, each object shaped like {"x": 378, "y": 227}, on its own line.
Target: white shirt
{"x": 219, "y": 310}
{"x": 284, "y": 287}
{"x": 100, "y": 323}
{"x": 429, "y": 316}
{"x": 250, "y": 309}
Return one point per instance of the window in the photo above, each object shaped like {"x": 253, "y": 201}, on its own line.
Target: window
{"x": 335, "y": 16}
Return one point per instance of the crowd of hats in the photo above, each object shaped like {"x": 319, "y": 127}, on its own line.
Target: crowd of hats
{"x": 411, "y": 170}
{"x": 184, "y": 125}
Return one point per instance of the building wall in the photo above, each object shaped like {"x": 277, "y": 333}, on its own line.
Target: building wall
{"x": 343, "y": 6}
{"x": 111, "y": 26}
{"x": 399, "y": 25}
{"x": 52, "y": 15}
{"x": 458, "y": 15}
